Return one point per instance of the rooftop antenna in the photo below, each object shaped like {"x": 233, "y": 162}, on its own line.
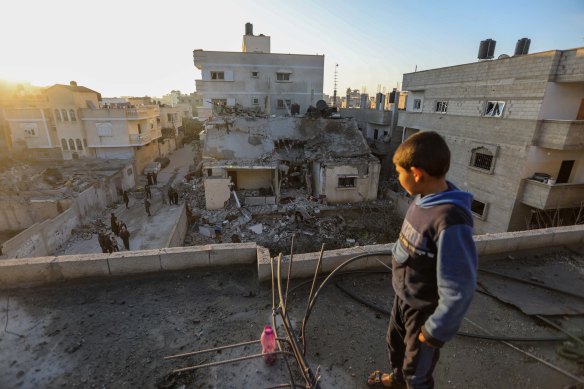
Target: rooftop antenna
{"x": 335, "y": 91}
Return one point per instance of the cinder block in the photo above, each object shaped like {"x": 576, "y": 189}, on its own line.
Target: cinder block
{"x": 232, "y": 253}
{"x": 26, "y": 270}
{"x": 264, "y": 266}
{"x": 568, "y": 235}
{"x": 251, "y": 201}
{"x": 128, "y": 262}
{"x": 84, "y": 265}
{"x": 177, "y": 258}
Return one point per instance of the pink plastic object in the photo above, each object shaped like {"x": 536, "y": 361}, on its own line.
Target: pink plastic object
{"x": 268, "y": 340}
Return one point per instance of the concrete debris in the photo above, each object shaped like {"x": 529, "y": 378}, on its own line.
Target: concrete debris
{"x": 257, "y": 228}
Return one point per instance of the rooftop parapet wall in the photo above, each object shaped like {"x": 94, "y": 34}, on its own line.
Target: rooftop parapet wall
{"x": 537, "y": 66}
{"x": 571, "y": 66}
{"x": 27, "y": 271}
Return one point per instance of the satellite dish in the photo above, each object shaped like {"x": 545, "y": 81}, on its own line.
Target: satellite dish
{"x": 503, "y": 56}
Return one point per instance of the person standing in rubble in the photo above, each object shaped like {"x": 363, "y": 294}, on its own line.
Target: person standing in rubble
{"x": 126, "y": 198}
{"x": 175, "y": 196}
{"x": 125, "y": 235}
{"x": 101, "y": 241}
{"x": 114, "y": 224}
{"x": 434, "y": 264}
{"x": 148, "y": 191}
{"x": 150, "y": 179}
{"x": 147, "y": 206}
{"x": 114, "y": 243}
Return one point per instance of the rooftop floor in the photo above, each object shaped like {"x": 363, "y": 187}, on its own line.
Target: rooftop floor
{"x": 115, "y": 332}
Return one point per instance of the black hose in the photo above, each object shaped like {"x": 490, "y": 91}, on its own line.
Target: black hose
{"x": 461, "y": 333}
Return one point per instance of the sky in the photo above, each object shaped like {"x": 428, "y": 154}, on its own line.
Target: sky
{"x": 137, "y": 48}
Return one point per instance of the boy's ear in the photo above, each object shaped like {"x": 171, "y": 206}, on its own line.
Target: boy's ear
{"x": 417, "y": 173}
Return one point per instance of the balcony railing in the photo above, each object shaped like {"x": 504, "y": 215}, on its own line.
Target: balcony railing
{"x": 140, "y": 139}
{"x": 556, "y": 196}
{"x": 561, "y": 134}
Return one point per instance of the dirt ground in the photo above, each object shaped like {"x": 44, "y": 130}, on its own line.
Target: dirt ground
{"x": 114, "y": 333}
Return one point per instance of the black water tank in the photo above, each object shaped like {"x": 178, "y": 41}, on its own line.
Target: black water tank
{"x": 487, "y": 49}
{"x": 248, "y": 29}
{"x": 392, "y": 97}
{"x": 522, "y": 46}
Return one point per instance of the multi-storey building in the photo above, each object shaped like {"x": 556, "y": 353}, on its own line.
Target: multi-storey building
{"x": 257, "y": 78}
{"x": 515, "y": 126}
{"x": 68, "y": 122}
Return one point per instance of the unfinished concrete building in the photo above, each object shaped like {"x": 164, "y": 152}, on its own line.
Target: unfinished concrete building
{"x": 326, "y": 158}
{"x": 515, "y": 126}
{"x": 257, "y": 78}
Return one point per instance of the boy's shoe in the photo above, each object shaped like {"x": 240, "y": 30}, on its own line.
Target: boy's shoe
{"x": 380, "y": 380}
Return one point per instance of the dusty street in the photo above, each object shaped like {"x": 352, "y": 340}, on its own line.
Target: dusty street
{"x": 145, "y": 232}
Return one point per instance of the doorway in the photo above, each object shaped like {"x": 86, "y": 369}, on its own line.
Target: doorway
{"x": 565, "y": 171}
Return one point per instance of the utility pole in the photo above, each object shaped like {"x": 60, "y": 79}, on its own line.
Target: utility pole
{"x": 335, "y": 91}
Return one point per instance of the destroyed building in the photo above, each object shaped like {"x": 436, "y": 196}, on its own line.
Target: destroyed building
{"x": 257, "y": 160}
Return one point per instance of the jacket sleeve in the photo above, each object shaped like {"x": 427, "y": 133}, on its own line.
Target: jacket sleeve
{"x": 457, "y": 274}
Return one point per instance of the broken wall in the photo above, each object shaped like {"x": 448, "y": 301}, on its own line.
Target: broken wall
{"x": 41, "y": 239}
{"x": 217, "y": 192}
{"x": 366, "y": 179}
{"x": 254, "y": 179}
{"x": 179, "y": 230}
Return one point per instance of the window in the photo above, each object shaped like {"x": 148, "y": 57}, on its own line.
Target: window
{"x": 255, "y": 101}
{"x": 441, "y": 106}
{"x": 169, "y": 117}
{"x": 283, "y": 104}
{"x": 417, "y": 104}
{"x": 375, "y": 133}
{"x": 139, "y": 128}
{"x": 104, "y": 129}
{"x": 71, "y": 144}
{"x": 255, "y": 74}
{"x": 64, "y": 113}
{"x": 479, "y": 209}
{"x": 347, "y": 182}
{"x": 219, "y": 102}
{"x": 79, "y": 145}
{"x": 64, "y": 144}
{"x": 29, "y": 132}
{"x": 283, "y": 76}
{"x": 494, "y": 108}
{"x": 72, "y": 115}
{"x": 129, "y": 171}
{"x": 217, "y": 75}
{"x": 57, "y": 115}
{"x": 482, "y": 158}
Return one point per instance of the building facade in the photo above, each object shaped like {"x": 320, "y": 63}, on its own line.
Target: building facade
{"x": 258, "y": 79}
{"x": 515, "y": 127}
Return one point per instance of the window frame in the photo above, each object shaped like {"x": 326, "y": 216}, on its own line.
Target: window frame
{"x": 490, "y": 151}
{"x": 65, "y": 115}
{"x": 283, "y": 77}
{"x": 255, "y": 101}
{"x": 418, "y": 106}
{"x": 350, "y": 184}
{"x": 441, "y": 106}
{"x": 483, "y": 214}
{"x": 217, "y": 75}
{"x": 283, "y": 106}
{"x": 492, "y": 104}
{"x": 257, "y": 75}
{"x": 72, "y": 116}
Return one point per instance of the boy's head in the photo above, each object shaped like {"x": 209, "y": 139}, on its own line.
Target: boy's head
{"x": 422, "y": 162}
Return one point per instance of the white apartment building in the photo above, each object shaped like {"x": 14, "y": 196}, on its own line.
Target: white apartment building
{"x": 515, "y": 127}
{"x": 257, "y": 78}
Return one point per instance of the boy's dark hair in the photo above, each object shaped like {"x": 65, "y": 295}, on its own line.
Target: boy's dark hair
{"x": 425, "y": 150}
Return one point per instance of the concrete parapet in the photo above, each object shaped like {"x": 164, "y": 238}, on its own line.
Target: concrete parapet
{"x": 81, "y": 265}
{"x": 232, "y": 253}
{"x": 26, "y": 270}
{"x": 129, "y": 262}
{"x": 177, "y": 258}
{"x": 264, "y": 269}
{"x": 304, "y": 265}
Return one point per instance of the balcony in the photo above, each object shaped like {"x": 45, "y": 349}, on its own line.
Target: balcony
{"x": 144, "y": 138}
{"x": 561, "y": 135}
{"x": 557, "y": 196}
{"x": 119, "y": 113}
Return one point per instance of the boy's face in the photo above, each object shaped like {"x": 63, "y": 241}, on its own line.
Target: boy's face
{"x": 408, "y": 180}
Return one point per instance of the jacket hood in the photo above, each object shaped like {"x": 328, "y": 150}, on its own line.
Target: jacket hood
{"x": 451, "y": 196}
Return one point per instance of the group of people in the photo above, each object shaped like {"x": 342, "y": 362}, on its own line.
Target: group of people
{"x": 118, "y": 228}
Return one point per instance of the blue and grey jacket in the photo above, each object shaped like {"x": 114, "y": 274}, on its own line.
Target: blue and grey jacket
{"x": 435, "y": 261}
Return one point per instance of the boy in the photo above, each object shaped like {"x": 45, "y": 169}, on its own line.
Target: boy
{"x": 434, "y": 264}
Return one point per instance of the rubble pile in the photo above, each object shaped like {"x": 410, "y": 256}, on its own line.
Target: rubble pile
{"x": 308, "y": 219}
